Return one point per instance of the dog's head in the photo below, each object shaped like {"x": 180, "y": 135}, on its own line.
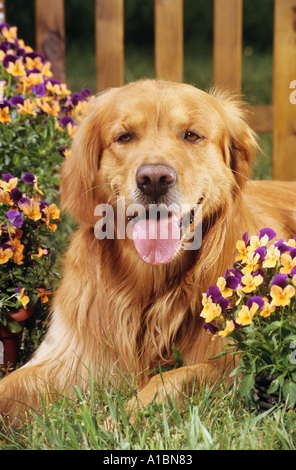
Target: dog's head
{"x": 162, "y": 144}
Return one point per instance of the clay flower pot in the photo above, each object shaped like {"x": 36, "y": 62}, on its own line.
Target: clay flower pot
{"x": 10, "y": 342}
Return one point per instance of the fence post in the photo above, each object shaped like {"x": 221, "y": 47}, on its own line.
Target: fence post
{"x": 50, "y": 34}
{"x": 109, "y": 43}
{"x": 1, "y": 353}
{"x": 284, "y": 73}
{"x": 169, "y": 40}
{"x": 228, "y": 27}
{"x": 2, "y": 11}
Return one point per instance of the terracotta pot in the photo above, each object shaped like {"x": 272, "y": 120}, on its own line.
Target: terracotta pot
{"x": 10, "y": 342}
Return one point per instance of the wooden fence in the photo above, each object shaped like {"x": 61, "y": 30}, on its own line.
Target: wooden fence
{"x": 278, "y": 118}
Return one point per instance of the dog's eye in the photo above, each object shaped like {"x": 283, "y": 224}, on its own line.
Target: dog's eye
{"x": 191, "y": 136}
{"x": 124, "y": 138}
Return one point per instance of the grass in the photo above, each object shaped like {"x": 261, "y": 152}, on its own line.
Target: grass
{"x": 214, "y": 418}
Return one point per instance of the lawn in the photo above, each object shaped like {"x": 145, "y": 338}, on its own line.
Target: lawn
{"x": 213, "y": 417}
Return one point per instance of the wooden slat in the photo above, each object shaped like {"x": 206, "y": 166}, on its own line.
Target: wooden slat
{"x": 2, "y": 11}
{"x": 109, "y": 43}
{"x": 228, "y": 20}
{"x": 50, "y": 34}
{"x": 260, "y": 118}
{"x": 284, "y": 72}
{"x": 169, "y": 54}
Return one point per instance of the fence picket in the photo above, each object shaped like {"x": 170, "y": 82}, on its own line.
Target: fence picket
{"x": 284, "y": 72}
{"x": 109, "y": 43}
{"x": 169, "y": 56}
{"x": 50, "y": 34}
{"x": 228, "y": 23}
{"x": 2, "y": 11}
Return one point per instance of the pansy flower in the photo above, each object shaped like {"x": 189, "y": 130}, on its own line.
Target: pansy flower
{"x": 280, "y": 291}
{"x": 5, "y": 197}
{"x": 5, "y": 254}
{"x": 250, "y": 283}
{"x": 5, "y": 117}
{"x": 32, "y": 210}
{"x": 41, "y": 252}
{"x": 273, "y": 255}
{"x": 31, "y": 179}
{"x": 288, "y": 262}
{"x": 69, "y": 123}
{"x": 18, "y": 248}
{"x": 27, "y": 108}
{"x": 247, "y": 312}
{"x": 9, "y": 182}
{"x": 16, "y": 219}
{"x": 64, "y": 152}
{"x": 211, "y": 329}
{"x": 211, "y": 310}
{"x": 267, "y": 310}
{"x": 9, "y": 32}
{"x": 15, "y": 195}
{"x": 230, "y": 327}
{"x": 39, "y": 90}
{"x": 15, "y": 68}
{"x": 22, "y": 297}
{"x": 242, "y": 247}
{"x": 252, "y": 263}
{"x": 43, "y": 293}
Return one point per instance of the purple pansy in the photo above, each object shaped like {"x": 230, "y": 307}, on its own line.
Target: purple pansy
{"x": 15, "y": 218}
{"x": 86, "y": 93}
{"x": 245, "y": 238}
{"x": 211, "y": 328}
{"x": 15, "y": 195}
{"x": 15, "y": 100}
{"x": 7, "y": 177}
{"x": 9, "y": 58}
{"x": 39, "y": 90}
{"x": 5, "y": 104}
{"x": 29, "y": 178}
{"x": 258, "y": 300}
{"x": 293, "y": 271}
{"x": 280, "y": 280}
{"x": 216, "y": 296}
{"x": 267, "y": 231}
{"x": 261, "y": 251}
{"x": 24, "y": 201}
{"x": 67, "y": 120}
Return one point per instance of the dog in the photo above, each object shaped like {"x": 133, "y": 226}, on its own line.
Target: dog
{"x": 126, "y": 297}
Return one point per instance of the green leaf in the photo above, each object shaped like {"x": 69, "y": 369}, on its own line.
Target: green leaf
{"x": 273, "y": 326}
{"x": 248, "y": 382}
{"x": 177, "y": 356}
{"x": 274, "y": 386}
{"x": 14, "y": 327}
{"x": 289, "y": 390}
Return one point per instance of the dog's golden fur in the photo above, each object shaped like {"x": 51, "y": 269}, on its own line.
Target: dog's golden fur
{"x": 112, "y": 310}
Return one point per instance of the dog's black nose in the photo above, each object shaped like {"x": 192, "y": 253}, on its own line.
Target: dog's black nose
{"x": 155, "y": 179}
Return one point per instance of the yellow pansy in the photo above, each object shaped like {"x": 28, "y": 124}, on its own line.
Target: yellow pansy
{"x": 251, "y": 283}
{"x": 230, "y": 327}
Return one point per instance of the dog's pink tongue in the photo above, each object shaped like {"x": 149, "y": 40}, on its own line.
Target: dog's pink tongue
{"x": 156, "y": 240}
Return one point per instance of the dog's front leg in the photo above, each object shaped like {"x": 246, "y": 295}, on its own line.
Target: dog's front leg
{"x": 176, "y": 383}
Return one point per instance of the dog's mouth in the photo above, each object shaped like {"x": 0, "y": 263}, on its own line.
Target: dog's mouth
{"x": 158, "y": 233}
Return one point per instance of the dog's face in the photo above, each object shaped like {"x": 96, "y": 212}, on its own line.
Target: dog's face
{"x": 162, "y": 144}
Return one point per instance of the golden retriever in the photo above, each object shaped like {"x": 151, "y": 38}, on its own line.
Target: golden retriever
{"x": 126, "y": 297}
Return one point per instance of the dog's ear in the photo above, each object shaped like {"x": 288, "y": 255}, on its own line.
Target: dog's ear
{"x": 240, "y": 141}
{"x": 79, "y": 173}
